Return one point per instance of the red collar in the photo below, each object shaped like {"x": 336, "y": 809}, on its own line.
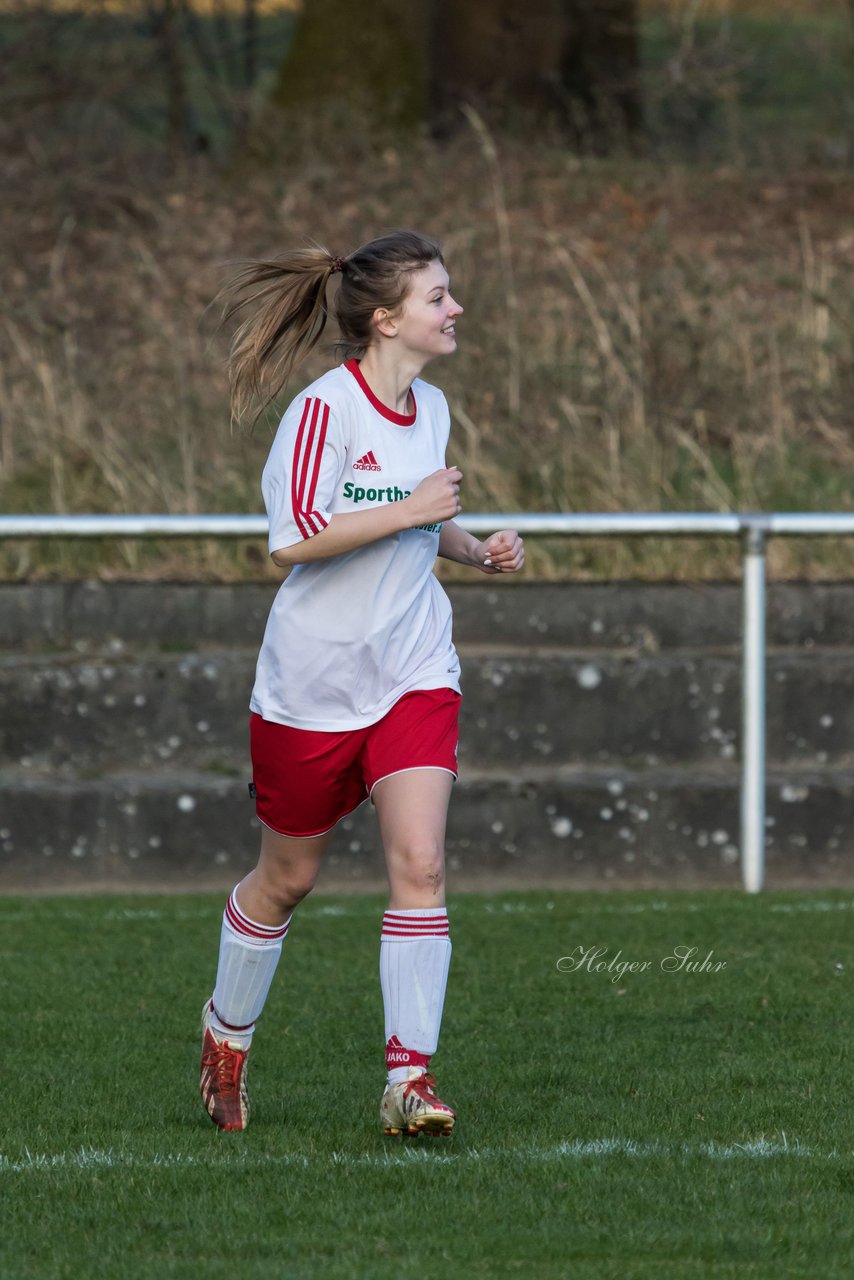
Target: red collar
{"x": 399, "y": 419}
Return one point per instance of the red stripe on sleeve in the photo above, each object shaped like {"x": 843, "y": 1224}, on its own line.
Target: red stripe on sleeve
{"x": 320, "y": 443}
{"x": 306, "y": 467}
{"x": 306, "y": 457}
{"x": 295, "y": 505}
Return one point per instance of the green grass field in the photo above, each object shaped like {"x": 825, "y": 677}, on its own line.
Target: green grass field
{"x": 659, "y": 1124}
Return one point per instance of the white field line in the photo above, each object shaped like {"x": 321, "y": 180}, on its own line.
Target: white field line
{"x": 811, "y": 906}
{"x": 87, "y": 1158}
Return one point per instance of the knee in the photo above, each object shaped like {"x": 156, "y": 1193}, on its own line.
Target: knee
{"x": 287, "y": 888}
{"x": 422, "y": 864}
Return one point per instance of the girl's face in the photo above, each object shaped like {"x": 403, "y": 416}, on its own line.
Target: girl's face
{"x": 425, "y": 324}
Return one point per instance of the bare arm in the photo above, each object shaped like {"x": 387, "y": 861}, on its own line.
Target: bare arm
{"x": 434, "y": 500}
{"x": 503, "y": 552}
{"x": 456, "y": 544}
{"x": 346, "y": 532}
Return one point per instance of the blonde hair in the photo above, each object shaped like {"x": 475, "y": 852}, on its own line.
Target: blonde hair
{"x": 288, "y": 297}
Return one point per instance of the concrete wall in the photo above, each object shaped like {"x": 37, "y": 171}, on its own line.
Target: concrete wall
{"x": 599, "y": 745}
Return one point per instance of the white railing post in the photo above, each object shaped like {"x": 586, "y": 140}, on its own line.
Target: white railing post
{"x": 753, "y": 706}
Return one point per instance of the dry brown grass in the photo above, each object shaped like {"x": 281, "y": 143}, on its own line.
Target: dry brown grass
{"x": 635, "y": 338}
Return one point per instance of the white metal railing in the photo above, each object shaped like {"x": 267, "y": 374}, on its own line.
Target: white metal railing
{"x": 754, "y": 529}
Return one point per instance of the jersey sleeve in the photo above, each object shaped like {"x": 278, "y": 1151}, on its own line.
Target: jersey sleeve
{"x": 302, "y": 471}
{"x": 445, "y": 427}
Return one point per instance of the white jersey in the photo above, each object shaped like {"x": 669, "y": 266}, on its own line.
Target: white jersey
{"x": 349, "y": 635}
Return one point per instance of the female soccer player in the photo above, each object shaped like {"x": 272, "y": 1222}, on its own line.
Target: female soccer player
{"x": 357, "y": 685}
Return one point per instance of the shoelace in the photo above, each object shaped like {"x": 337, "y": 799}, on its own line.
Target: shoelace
{"x": 421, "y": 1082}
{"x": 226, "y": 1065}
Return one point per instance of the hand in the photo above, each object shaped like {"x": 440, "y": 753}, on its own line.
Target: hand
{"x": 503, "y": 552}
{"x": 436, "y": 498}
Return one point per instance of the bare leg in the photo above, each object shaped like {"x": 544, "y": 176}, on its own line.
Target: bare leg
{"x": 412, "y": 809}
{"x": 253, "y": 930}
{"x": 254, "y": 927}
{"x": 286, "y": 872}
{"x": 415, "y": 950}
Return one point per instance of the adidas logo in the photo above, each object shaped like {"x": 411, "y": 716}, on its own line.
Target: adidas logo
{"x": 367, "y": 463}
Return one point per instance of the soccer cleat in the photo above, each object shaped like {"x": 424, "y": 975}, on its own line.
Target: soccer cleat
{"x": 411, "y": 1107}
{"x": 223, "y": 1078}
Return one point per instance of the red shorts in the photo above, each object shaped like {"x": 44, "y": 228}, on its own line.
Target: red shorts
{"x": 306, "y": 780}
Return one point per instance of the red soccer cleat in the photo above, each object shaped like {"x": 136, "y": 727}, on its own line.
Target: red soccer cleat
{"x": 411, "y": 1107}
{"x": 223, "y": 1078}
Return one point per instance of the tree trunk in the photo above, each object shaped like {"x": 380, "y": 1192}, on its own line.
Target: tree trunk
{"x": 501, "y": 56}
{"x": 400, "y": 63}
{"x": 367, "y": 62}
{"x": 600, "y": 71}
{"x": 575, "y": 61}
{"x": 249, "y": 70}
{"x": 169, "y": 40}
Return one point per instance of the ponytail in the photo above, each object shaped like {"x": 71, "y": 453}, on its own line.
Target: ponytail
{"x": 288, "y": 295}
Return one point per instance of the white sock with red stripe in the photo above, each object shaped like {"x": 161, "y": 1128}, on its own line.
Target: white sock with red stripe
{"x": 415, "y": 952}
{"x": 248, "y": 955}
